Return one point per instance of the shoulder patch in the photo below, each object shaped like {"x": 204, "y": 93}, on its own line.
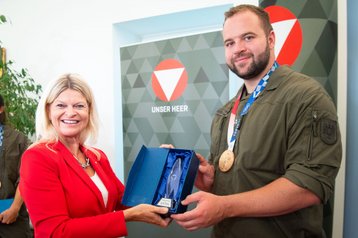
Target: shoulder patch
{"x": 328, "y": 131}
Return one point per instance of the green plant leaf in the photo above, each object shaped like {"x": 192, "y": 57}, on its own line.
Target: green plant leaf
{"x": 3, "y": 19}
{"x": 21, "y": 94}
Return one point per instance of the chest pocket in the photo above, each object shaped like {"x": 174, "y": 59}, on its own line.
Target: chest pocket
{"x": 12, "y": 162}
{"x": 219, "y": 133}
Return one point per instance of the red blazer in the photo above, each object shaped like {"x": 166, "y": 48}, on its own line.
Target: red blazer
{"x": 61, "y": 198}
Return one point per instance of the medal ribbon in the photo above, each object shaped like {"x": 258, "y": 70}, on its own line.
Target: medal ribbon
{"x": 234, "y": 122}
{"x": 1, "y": 134}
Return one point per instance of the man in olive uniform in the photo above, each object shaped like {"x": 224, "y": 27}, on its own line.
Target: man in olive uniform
{"x": 14, "y": 220}
{"x": 275, "y": 149}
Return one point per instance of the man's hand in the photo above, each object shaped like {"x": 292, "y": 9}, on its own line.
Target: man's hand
{"x": 207, "y": 212}
{"x": 9, "y": 215}
{"x": 205, "y": 177}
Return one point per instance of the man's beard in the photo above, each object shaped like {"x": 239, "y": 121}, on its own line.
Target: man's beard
{"x": 255, "y": 68}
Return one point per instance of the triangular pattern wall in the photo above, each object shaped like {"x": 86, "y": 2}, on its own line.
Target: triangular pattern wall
{"x": 318, "y": 56}
{"x": 206, "y": 91}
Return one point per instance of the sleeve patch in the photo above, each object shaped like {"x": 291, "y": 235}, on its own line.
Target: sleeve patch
{"x": 328, "y": 131}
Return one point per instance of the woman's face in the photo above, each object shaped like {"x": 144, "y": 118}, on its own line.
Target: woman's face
{"x": 69, "y": 114}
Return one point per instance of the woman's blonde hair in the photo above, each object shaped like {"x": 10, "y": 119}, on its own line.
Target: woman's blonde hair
{"x": 45, "y": 132}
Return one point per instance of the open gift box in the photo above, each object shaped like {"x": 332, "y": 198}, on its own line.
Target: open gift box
{"x": 161, "y": 176}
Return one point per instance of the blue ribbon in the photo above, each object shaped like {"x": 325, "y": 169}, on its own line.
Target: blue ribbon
{"x": 1, "y": 134}
{"x": 258, "y": 89}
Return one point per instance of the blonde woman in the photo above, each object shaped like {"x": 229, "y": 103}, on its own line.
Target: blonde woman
{"x": 69, "y": 188}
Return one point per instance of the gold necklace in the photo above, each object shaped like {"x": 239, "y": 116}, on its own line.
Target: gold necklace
{"x": 83, "y": 165}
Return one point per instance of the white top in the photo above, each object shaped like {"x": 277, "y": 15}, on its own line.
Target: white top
{"x": 101, "y": 187}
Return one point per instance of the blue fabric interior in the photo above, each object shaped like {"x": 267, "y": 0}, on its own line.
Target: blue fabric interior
{"x": 172, "y": 157}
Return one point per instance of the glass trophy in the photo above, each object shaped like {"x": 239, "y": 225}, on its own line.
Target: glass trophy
{"x": 172, "y": 185}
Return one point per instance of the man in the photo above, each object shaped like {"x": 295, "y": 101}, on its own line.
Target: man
{"x": 275, "y": 149}
{"x": 14, "y": 219}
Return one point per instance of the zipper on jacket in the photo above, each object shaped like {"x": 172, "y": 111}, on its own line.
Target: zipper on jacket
{"x": 223, "y": 114}
{"x": 314, "y": 133}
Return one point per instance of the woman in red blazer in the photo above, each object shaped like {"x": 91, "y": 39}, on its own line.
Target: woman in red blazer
{"x": 70, "y": 189}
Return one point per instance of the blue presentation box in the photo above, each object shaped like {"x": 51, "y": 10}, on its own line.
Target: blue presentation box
{"x": 5, "y": 204}
{"x": 153, "y": 178}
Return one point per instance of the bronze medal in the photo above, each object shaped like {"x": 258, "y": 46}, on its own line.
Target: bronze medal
{"x": 226, "y": 160}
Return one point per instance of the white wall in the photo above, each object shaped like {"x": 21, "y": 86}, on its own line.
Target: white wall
{"x": 50, "y": 38}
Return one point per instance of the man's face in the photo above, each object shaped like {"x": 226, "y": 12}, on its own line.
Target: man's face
{"x": 247, "y": 48}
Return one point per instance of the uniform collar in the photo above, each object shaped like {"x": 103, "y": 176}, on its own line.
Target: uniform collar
{"x": 276, "y": 78}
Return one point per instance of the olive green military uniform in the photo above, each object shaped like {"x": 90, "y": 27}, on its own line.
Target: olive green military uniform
{"x": 14, "y": 144}
{"x": 290, "y": 131}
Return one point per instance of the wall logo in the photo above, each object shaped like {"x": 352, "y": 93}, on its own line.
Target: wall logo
{"x": 169, "y": 80}
{"x": 288, "y": 34}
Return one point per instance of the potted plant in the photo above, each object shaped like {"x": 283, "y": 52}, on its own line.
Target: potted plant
{"x": 20, "y": 92}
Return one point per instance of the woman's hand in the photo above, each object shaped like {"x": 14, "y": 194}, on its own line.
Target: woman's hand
{"x": 147, "y": 213}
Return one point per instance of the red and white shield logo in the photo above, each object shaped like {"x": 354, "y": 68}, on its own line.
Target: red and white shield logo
{"x": 288, "y": 33}
{"x": 169, "y": 80}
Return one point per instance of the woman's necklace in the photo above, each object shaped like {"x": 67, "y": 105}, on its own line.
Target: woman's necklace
{"x": 83, "y": 165}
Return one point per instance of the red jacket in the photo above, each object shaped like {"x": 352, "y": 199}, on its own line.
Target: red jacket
{"x": 61, "y": 198}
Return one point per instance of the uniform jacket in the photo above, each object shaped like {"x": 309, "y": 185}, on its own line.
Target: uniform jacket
{"x": 62, "y": 199}
{"x": 290, "y": 131}
{"x": 14, "y": 144}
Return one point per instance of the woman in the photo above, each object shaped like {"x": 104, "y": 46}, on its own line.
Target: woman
{"x": 14, "y": 220}
{"x": 69, "y": 188}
